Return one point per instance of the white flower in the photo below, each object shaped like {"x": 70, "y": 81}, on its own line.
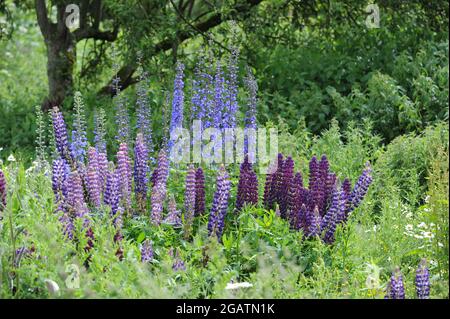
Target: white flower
{"x": 52, "y": 287}
{"x": 418, "y": 236}
{"x": 427, "y": 234}
{"x": 409, "y": 227}
{"x": 11, "y": 158}
{"x": 427, "y": 198}
{"x": 422, "y": 225}
{"x": 440, "y": 245}
{"x": 238, "y": 285}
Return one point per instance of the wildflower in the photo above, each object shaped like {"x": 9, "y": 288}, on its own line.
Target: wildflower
{"x": 79, "y": 139}
{"x": 396, "y": 287}
{"x": 140, "y": 171}
{"x": 112, "y": 191}
{"x": 220, "y": 204}
{"x": 93, "y": 179}
{"x": 100, "y": 130}
{"x": 178, "y": 263}
{"x": 247, "y": 192}
{"x": 199, "y": 192}
{"x": 360, "y": 189}
{"x": 252, "y": 101}
{"x": 333, "y": 216}
{"x": 102, "y": 170}
{"x": 189, "y": 201}
{"x": 2, "y": 190}
{"x": 422, "y": 280}
{"x": 173, "y": 217}
{"x": 75, "y": 196}
{"x": 409, "y": 227}
{"x": 124, "y": 169}
{"x": 146, "y": 251}
{"x": 143, "y": 121}
{"x": 60, "y": 134}
{"x": 177, "y": 101}
{"x": 11, "y": 158}
{"x": 159, "y": 189}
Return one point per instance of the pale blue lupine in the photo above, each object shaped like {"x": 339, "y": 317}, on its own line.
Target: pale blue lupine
{"x": 100, "y": 130}
{"x": 79, "y": 139}
{"x": 177, "y": 102}
{"x": 143, "y": 121}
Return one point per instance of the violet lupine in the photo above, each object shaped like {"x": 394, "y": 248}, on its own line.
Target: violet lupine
{"x": 67, "y": 224}
{"x": 159, "y": 188}
{"x": 286, "y": 180}
{"x": 422, "y": 280}
{"x": 396, "y": 286}
{"x": 112, "y": 191}
{"x": 177, "y": 102}
{"x": 189, "y": 201}
{"x": 295, "y": 198}
{"x": 124, "y": 168}
{"x": 178, "y": 263}
{"x": 312, "y": 222}
{"x": 173, "y": 217}
{"x": 79, "y": 138}
{"x": 360, "y": 189}
{"x": 199, "y": 192}
{"x": 102, "y": 170}
{"x": 146, "y": 251}
{"x": 267, "y": 198}
{"x": 100, "y": 130}
{"x": 333, "y": 216}
{"x": 220, "y": 204}
{"x": 140, "y": 171}
{"x": 273, "y": 182}
{"x": 60, "y": 134}
{"x": 93, "y": 179}
{"x": 2, "y": 191}
{"x": 60, "y": 172}
{"x": 247, "y": 192}
{"x": 144, "y": 120}
{"x": 75, "y": 196}
{"x": 252, "y": 101}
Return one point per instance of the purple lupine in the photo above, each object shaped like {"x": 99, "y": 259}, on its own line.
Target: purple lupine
{"x": 199, "y": 192}
{"x": 67, "y": 224}
{"x": 2, "y": 190}
{"x": 144, "y": 120}
{"x": 173, "y": 217}
{"x": 100, "y": 130}
{"x": 112, "y": 191}
{"x": 220, "y": 204}
{"x": 252, "y": 101}
{"x": 60, "y": 171}
{"x": 268, "y": 189}
{"x": 397, "y": 288}
{"x": 312, "y": 222}
{"x": 102, "y": 170}
{"x": 360, "y": 189}
{"x": 422, "y": 280}
{"x": 333, "y": 216}
{"x": 75, "y": 196}
{"x": 79, "y": 138}
{"x": 178, "y": 263}
{"x": 60, "y": 134}
{"x": 159, "y": 188}
{"x": 247, "y": 192}
{"x": 189, "y": 201}
{"x": 140, "y": 171}
{"x": 93, "y": 180}
{"x": 146, "y": 251}
{"x": 286, "y": 180}
{"x": 295, "y": 198}
{"x": 124, "y": 168}
{"x": 177, "y": 102}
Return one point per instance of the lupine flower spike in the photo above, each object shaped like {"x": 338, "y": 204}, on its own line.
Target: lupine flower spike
{"x": 146, "y": 251}
{"x": 220, "y": 204}
{"x": 423, "y": 280}
{"x": 189, "y": 201}
{"x": 2, "y": 191}
{"x": 140, "y": 171}
{"x": 396, "y": 286}
{"x": 173, "y": 217}
{"x": 199, "y": 192}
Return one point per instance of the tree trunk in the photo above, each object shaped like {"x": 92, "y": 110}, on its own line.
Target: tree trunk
{"x": 61, "y": 58}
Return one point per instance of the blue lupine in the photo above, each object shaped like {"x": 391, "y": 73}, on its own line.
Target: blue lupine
{"x": 173, "y": 217}
{"x": 79, "y": 138}
{"x": 252, "y": 101}
{"x": 422, "y": 280}
{"x": 232, "y": 89}
{"x": 178, "y": 263}
{"x": 189, "y": 201}
{"x": 100, "y": 130}
{"x": 93, "y": 181}
{"x": 220, "y": 204}
{"x": 360, "y": 189}
{"x": 112, "y": 191}
{"x": 60, "y": 134}
{"x": 177, "y": 102}
{"x": 146, "y": 251}
{"x": 60, "y": 172}
{"x": 140, "y": 171}
{"x": 396, "y": 286}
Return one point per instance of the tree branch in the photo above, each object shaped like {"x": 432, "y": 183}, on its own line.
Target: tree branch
{"x": 42, "y": 18}
{"x": 93, "y": 33}
{"x": 214, "y": 20}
